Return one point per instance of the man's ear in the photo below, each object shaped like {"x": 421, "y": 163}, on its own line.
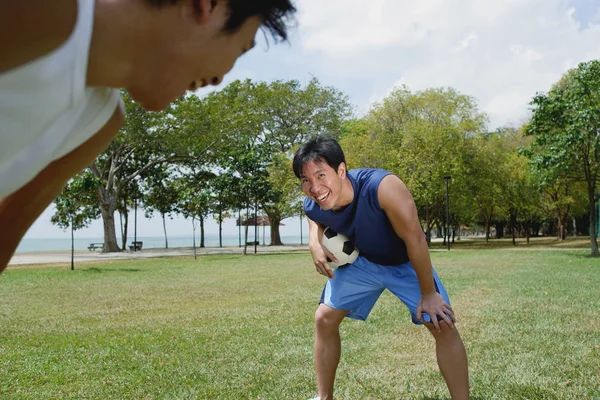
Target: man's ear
{"x": 342, "y": 170}
{"x": 201, "y": 9}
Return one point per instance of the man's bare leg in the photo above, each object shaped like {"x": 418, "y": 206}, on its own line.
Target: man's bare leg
{"x": 452, "y": 360}
{"x": 327, "y": 348}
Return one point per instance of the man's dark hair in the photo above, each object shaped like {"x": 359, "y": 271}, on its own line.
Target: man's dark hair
{"x": 319, "y": 148}
{"x": 273, "y": 14}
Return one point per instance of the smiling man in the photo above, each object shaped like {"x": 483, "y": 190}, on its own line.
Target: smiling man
{"x": 63, "y": 61}
{"x": 375, "y": 210}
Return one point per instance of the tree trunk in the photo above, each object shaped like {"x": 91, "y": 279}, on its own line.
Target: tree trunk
{"x": 564, "y": 223}
{"x": 220, "y": 229}
{"x": 108, "y": 206}
{"x": 124, "y": 228}
{"x": 201, "y": 231}
{"x": 559, "y": 230}
{"x": 500, "y": 230}
{"x": 194, "y": 238}
{"x": 72, "y": 247}
{"x": 428, "y": 227}
{"x": 110, "y": 236}
{"x": 593, "y": 218}
{"x": 487, "y": 231}
{"x": 443, "y": 230}
{"x": 513, "y": 227}
{"x": 274, "y": 221}
{"x": 246, "y": 239}
{"x": 165, "y": 229}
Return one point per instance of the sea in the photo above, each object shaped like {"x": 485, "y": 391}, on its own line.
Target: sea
{"x": 158, "y": 242}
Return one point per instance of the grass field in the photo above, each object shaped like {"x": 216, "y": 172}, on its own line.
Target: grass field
{"x": 235, "y": 327}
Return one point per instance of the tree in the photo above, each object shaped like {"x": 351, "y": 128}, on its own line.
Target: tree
{"x": 566, "y": 127}
{"x": 223, "y": 188}
{"x": 360, "y": 148}
{"x": 160, "y": 195}
{"x": 517, "y": 196}
{"x": 194, "y": 200}
{"x": 480, "y": 158}
{"x": 282, "y": 179}
{"x": 75, "y": 208}
{"x": 266, "y": 120}
{"x": 420, "y": 137}
{"x": 146, "y": 140}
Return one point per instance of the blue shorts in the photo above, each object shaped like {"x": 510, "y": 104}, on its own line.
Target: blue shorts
{"x": 357, "y": 287}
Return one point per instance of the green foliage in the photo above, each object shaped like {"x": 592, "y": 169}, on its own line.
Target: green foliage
{"x": 261, "y": 125}
{"x": 76, "y": 206}
{"x": 159, "y": 191}
{"x": 566, "y": 129}
{"x": 421, "y": 137}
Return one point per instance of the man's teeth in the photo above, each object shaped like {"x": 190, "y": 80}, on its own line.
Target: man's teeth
{"x": 322, "y": 197}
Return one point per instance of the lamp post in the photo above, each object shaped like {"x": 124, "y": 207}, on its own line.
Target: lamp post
{"x": 135, "y": 226}
{"x": 447, "y": 179}
{"x": 255, "y": 225}
{"x": 301, "y": 226}
{"x": 240, "y": 227}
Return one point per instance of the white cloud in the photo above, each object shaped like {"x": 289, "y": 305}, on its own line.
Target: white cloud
{"x": 501, "y": 52}
{"x": 467, "y": 41}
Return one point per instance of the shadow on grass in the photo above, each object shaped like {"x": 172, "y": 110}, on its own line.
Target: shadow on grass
{"x": 99, "y": 270}
{"x": 275, "y": 253}
{"x": 448, "y": 398}
{"x": 579, "y": 242}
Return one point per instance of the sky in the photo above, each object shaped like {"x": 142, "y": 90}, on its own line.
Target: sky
{"x": 499, "y": 52}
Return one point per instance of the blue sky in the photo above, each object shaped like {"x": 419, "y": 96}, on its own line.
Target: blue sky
{"x": 501, "y": 53}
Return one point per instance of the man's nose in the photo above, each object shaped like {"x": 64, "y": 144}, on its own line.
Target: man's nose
{"x": 314, "y": 188}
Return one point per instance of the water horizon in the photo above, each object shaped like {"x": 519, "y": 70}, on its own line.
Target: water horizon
{"x": 150, "y": 242}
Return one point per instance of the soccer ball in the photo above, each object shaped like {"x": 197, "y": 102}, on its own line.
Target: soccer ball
{"x": 340, "y": 246}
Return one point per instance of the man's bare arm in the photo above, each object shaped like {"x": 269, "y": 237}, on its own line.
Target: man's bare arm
{"x": 20, "y": 210}
{"x": 32, "y": 28}
{"x": 318, "y": 253}
{"x": 399, "y": 206}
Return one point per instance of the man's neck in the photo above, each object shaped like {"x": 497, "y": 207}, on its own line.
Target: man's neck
{"x": 113, "y": 49}
{"x": 347, "y": 195}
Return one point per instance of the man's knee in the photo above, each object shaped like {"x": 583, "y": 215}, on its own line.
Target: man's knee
{"x": 446, "y": 331}
{"x": 327, "y": 318}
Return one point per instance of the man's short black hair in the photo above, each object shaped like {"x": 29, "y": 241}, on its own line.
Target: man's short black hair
{"x": 319, "y": 148}
{"x": 273, "y": 14}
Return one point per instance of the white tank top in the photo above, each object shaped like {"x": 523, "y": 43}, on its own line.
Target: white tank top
{"x": 46, "y": 110}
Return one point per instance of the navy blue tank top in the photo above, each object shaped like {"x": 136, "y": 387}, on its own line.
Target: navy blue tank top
{"x": 363, "y": 220}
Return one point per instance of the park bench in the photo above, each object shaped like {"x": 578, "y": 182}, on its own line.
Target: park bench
{"x": 253, "y": 243}
{"x": 135, "y": 246}
{"x": 96, "y": 246}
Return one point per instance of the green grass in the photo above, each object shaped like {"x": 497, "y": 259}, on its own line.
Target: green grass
{"x": 234, "y": 327}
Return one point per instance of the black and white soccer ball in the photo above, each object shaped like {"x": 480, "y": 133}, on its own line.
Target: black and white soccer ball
{"x": 340, "y": 246}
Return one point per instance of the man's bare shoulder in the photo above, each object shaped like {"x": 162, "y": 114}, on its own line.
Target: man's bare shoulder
{"x": 391, "y": 190}
{"x": 29, "y": 29}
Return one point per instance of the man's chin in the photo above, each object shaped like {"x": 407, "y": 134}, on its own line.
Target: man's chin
{"x": 325, "y": 206}
{"x": 150, "y": 103}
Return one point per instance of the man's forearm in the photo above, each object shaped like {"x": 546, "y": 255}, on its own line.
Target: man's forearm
{"x": 313, "y": 232}
{"x": 418, "y": 253}
{"x": 20, "y": 210}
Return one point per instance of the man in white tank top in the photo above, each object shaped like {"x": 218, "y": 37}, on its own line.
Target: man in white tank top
{"x": 62, "y": 63}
